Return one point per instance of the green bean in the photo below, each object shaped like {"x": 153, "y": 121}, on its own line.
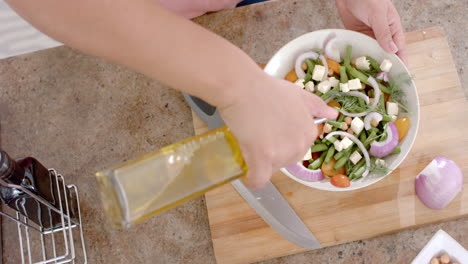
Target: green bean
{"x": 397, "y": 150}
{"x": 358, "y": 173}
{"x": 343, "y": 75}
{"x": 362, "y": 103}
{"x": 348, "y": 167}
{"x": 387, "y": 118}
{"x": 307, "y": 78}
{"x": 372, "y": 129}
{"x": 360, "y": 163}
{"x": 318, "y": 162}
{"x": 370, "y": 138}
{"x": 338, "y": 155}
{"x": 363, "y": 78}
{"x": 319, "y": 147}
{"x": 310, "y": 66}
{"x": 341, "y": 162}
{"x": 330, "y": 139}
{"x": 363, "y": 136}
{"x": 318, "y": 93}
{"x": 335, "y": 123}
{"x": 374, "y": 64}
{"x": 347, "y": 59}
{"x": 341, "y": 118}
{"x": 329, "y": 93}
{"x": 330, "y": 153}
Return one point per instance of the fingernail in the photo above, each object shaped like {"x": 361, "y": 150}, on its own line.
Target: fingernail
{"x": 393, "y": 47}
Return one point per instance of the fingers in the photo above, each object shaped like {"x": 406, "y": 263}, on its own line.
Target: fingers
{"x": 259, "y": 172}
{"x": 399, "y": 37}
{"x": 381, "y": 27}
{"x": 318, "y": 108}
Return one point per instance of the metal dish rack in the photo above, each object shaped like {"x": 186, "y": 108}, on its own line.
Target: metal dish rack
{"x": 62, "y": 244}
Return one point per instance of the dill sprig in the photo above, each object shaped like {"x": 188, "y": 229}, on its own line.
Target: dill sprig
{"x": 396, "y": 92}
{"x": 380, "y": 170}
{"x": 351, "y": 104}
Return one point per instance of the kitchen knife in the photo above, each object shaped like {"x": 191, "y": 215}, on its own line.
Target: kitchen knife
{"x": 268, "y": 201}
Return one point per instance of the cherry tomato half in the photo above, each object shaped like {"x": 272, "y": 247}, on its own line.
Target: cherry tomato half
{"x": 402, "y": 125}
{"x": 340, "y": 180}
{"x": 327, "y": 168}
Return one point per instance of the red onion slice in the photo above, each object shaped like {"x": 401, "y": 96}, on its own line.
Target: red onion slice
{"x": 382, "y": 76}
{"x": 325, "y": 64}
{"x": 305, "y": 174}
{"x": 384, "y": 148}
{"x": 439, "y": 183}
{"x": 358, "y": 143}
{"x": 369, "y": 117}
{"x": 328, "y": 48}
{"x": 298, "y": 67}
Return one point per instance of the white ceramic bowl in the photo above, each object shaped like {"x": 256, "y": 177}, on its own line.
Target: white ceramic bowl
{"x": 283, "y": 62}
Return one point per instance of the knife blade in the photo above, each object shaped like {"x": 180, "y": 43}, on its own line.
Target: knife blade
{"x": 268, "y": 201}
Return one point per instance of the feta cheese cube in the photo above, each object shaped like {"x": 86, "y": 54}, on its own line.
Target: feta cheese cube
{"x": 392, "y": 108}
{"x": 344, "y": 87}
{"x": 308, "y": 155}
{"x": 362, "y": 63}
{"x": 357, "y": 125}
{"x": 355, "y": 157}
{"x": 338, "y": 145}
{"x": 380, "y": 162}
{"x": 346, "y": 142}
{"x": 354, "y": 84}
{"x": 333, "y": 82}
{"x": 318, "y": 73}
{"x": 300, "y": 83}
{"x": 386, "y": 65}
{"x": 310, "y": 86}
{"x": 324, "y": 86}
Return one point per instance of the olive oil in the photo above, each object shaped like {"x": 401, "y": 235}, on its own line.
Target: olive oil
{"x": 151, "y": 184}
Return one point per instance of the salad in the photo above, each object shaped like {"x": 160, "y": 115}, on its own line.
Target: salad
{"x": 367, "y": 129}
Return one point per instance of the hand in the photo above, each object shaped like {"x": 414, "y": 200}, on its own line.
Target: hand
{"x": 273, "y": 123}
{"x": 376, "y": 18}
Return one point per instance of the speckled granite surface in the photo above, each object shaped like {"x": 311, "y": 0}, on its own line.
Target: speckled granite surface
{"x": 81, "y": 114}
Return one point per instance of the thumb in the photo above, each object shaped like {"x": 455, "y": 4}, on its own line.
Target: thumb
{"x": 382, "y": 32}
{"x": 318, "y": 108}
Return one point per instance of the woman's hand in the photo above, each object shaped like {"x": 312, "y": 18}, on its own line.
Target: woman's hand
{"x": 376, "y": 18}
{"x": 273, "y": 122}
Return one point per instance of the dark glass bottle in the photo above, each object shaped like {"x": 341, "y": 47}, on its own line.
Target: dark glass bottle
{"x": 32, "y": 175}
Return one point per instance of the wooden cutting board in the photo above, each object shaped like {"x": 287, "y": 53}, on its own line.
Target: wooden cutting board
{"x": 385, "y": 207}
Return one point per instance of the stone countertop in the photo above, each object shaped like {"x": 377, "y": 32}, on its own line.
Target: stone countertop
{"x": 81, "y": 114}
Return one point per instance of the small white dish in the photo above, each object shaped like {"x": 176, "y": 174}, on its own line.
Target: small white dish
{"x": 283, "y": 62}
{"x": 441, "y": 243}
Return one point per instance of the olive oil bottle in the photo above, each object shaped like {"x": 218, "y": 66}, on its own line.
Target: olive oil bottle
{"x": 153, "y": 183}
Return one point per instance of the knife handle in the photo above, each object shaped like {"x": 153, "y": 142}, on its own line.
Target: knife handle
{"x": 153, "y": 183}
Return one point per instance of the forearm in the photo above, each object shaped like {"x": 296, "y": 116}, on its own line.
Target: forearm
{"x": 146, "y": 37}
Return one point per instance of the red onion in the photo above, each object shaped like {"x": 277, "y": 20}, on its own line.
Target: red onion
{"x": 305, "y": 174}
{"x": 382, "y": 76}
{"x": 375, "y": 85}
{"x": 328, "y": 45}
{"x": 298, "y": 67}
{"x": 358, "y": 143}
{"x": 325, "y": 64}
{"x": 369, "y": 117}
{"x": 384, "y": 148}
{"x": 439, "y": 183}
